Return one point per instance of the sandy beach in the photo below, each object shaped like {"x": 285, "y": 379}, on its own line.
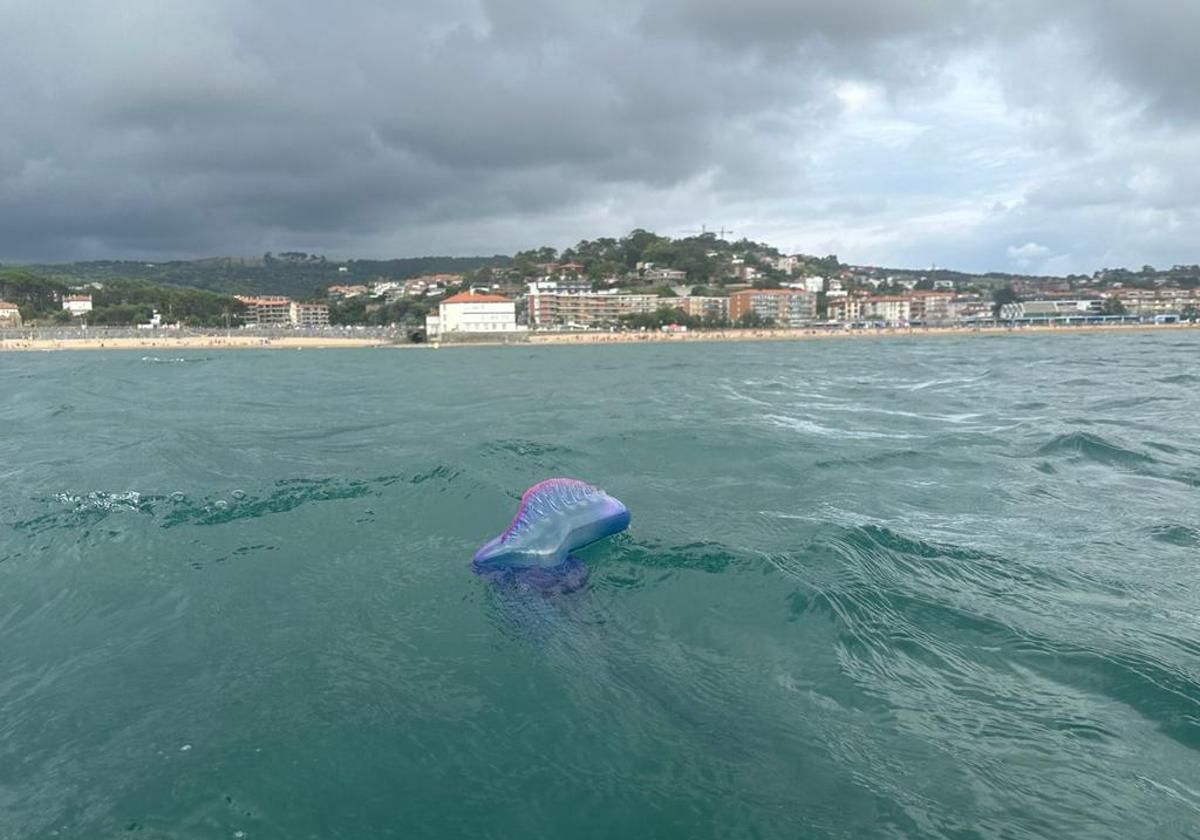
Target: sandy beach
{"x": 166, "y": 342}
{"x": 188, "y": 342}
{"x": 823, "y": 334}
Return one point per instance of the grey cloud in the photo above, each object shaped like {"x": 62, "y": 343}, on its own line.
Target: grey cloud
{"x": 792, "y": 23}
{"x": 186, "y": 129}
{"x": 1085, "y": 191}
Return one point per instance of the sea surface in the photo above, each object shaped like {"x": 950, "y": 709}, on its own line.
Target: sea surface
{"x": 910, "y": 587}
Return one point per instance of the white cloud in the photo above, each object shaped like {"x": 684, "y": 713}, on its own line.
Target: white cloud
{"x": 1028, "y": 251}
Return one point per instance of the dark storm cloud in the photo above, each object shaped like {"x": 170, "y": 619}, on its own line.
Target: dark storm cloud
{"x": 172, "y": 128}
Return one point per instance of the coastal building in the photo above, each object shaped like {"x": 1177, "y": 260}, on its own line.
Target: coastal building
{"x": 77, "y": 305}
{"x": 473, "y": 312}
{"x": 710, "y": 308}
{"x": 783, "y": 307}
{"x": 308, "y": 315}
{"x": 265, "y": 310}
{"x": 10, "y": 315}
{"x": 1052, "y": 308}
{"x": 892, "y": 309}
{"x": 965, "y": 308}
{"x": 930, "y": 307}
{"x": 1155, "y": 302}
{"x": 847, "y": 308}
{"x": 593, "y": 309}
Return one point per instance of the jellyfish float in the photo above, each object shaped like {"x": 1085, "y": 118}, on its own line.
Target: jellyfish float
{"x": 555, "y": 517}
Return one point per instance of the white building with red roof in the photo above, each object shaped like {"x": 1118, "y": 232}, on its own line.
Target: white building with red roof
{"x": 473, "y": 312}
{"x": 10, "y": 315}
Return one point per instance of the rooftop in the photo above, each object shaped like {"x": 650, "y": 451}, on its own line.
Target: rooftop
{"x": 263, "y": 300}
{"x": 476, "y": 297}
{"x": 771, "y": 292}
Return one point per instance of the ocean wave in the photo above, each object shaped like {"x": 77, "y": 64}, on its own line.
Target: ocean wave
{"x": 1175, "y": 534}
{"x": 900, "y": 457}
{"x": 74, "y": 510}
{"x": 1088, "y": 447}
{"x": 949, "y": 623}
{"x": 701, "y": 556}
{"x": 176, "y": 360}
{"x": 811, "y": 427}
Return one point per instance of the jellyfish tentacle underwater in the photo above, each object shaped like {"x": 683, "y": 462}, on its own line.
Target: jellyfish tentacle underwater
{"x": 556, "y": 516}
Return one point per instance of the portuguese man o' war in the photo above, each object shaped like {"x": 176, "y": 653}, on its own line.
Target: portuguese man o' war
{"x": 556, "y": 517}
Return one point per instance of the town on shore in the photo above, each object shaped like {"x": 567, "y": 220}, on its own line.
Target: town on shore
{"x": 642, "y": 283}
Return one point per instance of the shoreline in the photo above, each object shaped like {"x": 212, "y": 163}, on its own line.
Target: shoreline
{"x": 187, "y": 342}
{"x": 226, "y": 342}
{"x": 803, "y": 334}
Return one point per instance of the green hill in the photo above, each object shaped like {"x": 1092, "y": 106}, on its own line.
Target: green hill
{"x": 293, "y": 274}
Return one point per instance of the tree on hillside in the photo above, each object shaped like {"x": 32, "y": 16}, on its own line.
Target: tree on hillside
{"x": 635, "y": 245}
{"x": 36, "y": 296}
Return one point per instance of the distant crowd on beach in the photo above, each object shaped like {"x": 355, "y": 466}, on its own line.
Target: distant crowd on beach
{"x": 802, "y": 333}
{"x": 287, "y": 341}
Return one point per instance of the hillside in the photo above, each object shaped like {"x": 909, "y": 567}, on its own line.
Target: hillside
{"x": 119, "y": 302}
{"x": 293, "y": 274}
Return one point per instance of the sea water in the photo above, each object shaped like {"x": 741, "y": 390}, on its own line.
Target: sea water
{"x": 909, "y": 587}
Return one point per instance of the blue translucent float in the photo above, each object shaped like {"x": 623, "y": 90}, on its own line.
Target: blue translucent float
{"x": 556, "y": 516}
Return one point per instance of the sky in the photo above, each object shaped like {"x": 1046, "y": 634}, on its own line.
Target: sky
{"x": 981, "y": 135}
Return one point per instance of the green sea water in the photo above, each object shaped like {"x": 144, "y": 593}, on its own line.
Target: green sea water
{"x": 937, "y": 587}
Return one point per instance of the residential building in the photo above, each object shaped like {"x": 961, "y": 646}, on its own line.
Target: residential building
{"x": 968, "y": 308}
{"x": 664, "y": 275}
{"x": 812, "y": 283}
{"x": 473, "y": 312}
{"x": 389, "y": 291}
{"x": 787, "y": 265}
{"x": 893, "y": 309}
{"x": 10, "y": 315}
{"x": 594, "y": 309}
{"x": 311, "y": 315}
{"x": 265, "y": 310}
{"x": 1157, "y": 301}
{"x": 848, "y": 308}
{"x": 743, "y": 271}
{"x": 347, "y": 292}
{"x": 562, "y": 285}
{"x": 783, "y": 307}
{"x": 930, "y": 307}
{"x": 77, "y": 305}
{"x": 711, "y": 308}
